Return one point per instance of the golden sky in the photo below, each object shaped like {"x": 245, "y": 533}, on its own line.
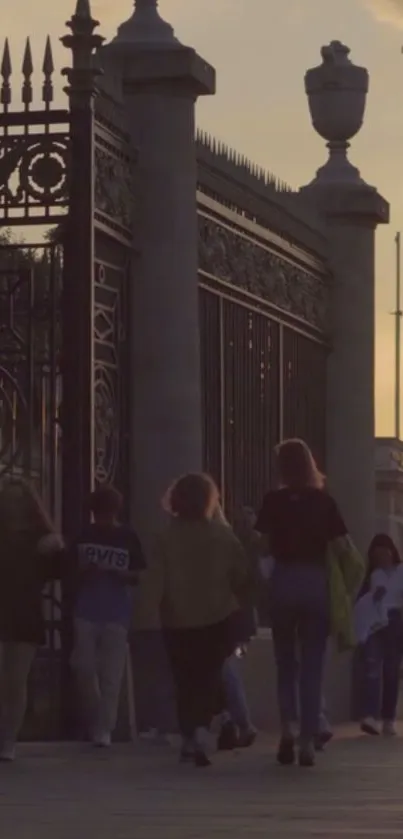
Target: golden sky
{"x": 261, "y": 50}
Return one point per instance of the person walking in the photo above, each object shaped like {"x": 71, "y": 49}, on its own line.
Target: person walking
{"x": 237, "y": 729}
{"x": 202, "y": 576}
{"x": 382, "y": 651}
{"x": 299, "y": 521}
{"x": 31, "y": 555}
{"x": 107, "y": 560}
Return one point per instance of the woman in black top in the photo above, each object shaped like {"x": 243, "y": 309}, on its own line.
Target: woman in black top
{"x": 31, "y": 554}
{"x": 299, "y": 520}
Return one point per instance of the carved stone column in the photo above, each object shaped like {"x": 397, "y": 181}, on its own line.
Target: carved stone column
{"x": 352, "y": 210}
{"x": 161, "y": 82}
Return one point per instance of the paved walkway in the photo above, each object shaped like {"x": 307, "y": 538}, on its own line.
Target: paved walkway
{"x": 71, "y": 793}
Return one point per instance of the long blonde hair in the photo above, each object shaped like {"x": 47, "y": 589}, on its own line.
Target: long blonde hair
{"x": 296, "y": 466}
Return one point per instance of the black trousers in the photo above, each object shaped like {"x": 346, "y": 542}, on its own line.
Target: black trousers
{"x": 197, "y": 656}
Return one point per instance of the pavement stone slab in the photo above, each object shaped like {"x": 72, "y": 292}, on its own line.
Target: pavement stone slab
{"x": 59, "y": 791}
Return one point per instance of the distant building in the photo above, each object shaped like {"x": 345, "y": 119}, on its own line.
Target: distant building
{"x": 389, "y": 487}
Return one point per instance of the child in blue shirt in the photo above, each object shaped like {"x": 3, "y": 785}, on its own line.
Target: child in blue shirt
{"x": 107, "y": 558}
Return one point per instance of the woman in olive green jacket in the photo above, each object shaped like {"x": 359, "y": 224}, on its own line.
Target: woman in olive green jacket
{"x": 202, "y": 577}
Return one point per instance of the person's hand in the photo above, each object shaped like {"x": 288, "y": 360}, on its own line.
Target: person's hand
{"x": 379, "y": 594}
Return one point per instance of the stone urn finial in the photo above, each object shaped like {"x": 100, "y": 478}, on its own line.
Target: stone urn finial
{"x": 337, "y": 91}
{"x": 146, "y": 27}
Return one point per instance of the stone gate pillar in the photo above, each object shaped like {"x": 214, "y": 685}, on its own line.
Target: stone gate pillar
{"x": 352, "y": 210}
{"x": 162, "y": 80}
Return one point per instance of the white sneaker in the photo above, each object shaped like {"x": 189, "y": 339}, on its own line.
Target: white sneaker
{"x": 389, "y": 728}
{"x": 102, "y": 740}
{"x": 370, "y": 726}
{"x": 7, "y": 752}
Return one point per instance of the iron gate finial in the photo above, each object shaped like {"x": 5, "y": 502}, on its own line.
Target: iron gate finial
{"x": 83, "y": 41}
{"x": 146, "y": 26}
{"x": 27, "y": 71}
{"x": 48, "y": 68}
{"x": 83, "y": 9}
{"x": 5, "y": 71}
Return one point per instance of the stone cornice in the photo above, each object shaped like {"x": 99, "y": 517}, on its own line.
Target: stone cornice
{"x": 171, "y": 68}
{"x": 352, "y": 204}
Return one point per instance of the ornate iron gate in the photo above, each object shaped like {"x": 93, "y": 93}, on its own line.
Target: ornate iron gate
{"x": 30, "y": 390}
{"x": 63, "y": 311}
{"x": 34, "y": 147}
{"x": 262, "y": 382}
{"x": 30, "y": 286}
{"x": 263, "y": 321}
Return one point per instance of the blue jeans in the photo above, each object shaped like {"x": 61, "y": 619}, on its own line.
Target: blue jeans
{"x": 235, "y": 693}
{"x": 300, "y": 619}
{"x": 382, "y": 657}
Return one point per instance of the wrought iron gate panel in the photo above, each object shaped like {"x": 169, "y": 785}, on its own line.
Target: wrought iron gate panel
{"x": 30, "y": 286}
{"x": 304, "y": 391}
{"x": 34, "y": 148}
{"x": 30, "y": 392}
{"x": 113, "y": 222}
{"x": 251, "y": 403}
{"x": 72, "y": 168}
{"x": 111, "y": 369}
{"x": 210, "y": 308}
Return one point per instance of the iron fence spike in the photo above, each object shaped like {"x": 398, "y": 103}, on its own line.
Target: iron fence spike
{"x": 83, "y": 9}
{"x": 6, "y": 68}
{"x": 5, "y": 72}
{"x": 27, "y": 64}
{"x": 48, "y": 66}
{"x": 27, "y": 70}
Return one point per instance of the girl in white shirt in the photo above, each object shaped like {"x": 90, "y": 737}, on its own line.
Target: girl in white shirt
{"x": 383, "y": 649}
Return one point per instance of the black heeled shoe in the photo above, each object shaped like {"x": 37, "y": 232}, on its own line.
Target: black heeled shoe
{"x": 228, "y": 738}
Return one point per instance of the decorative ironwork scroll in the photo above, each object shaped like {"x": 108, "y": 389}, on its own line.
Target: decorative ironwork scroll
{"x": 34, "y": 149}
{"x": 29, "y": 366}
{"x": 114, "y": 208}
{"x": 114, "y": 186}
{"x": 110, "y": 374}
{"x": 244, "y": 262}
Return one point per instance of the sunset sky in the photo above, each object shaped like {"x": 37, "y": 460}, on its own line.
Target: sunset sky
{"x": 261, "y": 50}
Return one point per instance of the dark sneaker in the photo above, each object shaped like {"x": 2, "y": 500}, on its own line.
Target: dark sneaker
{"x": 200, "y": 759}
{"x": 286, "y": 751}
{"x": 228, "y": 738}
